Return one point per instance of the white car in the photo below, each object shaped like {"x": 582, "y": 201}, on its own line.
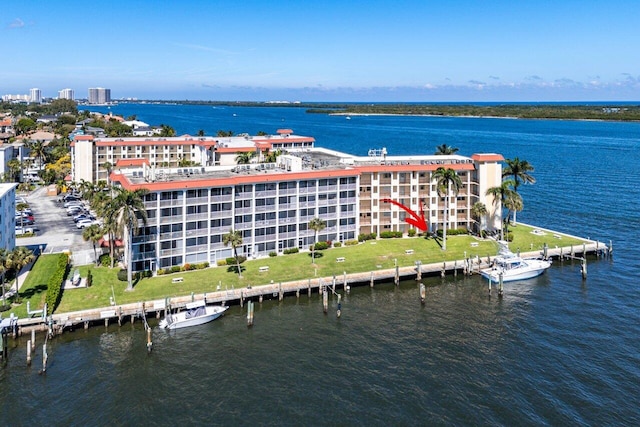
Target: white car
{"x": 84, "y": 223}
{"x": 23, "y": 230}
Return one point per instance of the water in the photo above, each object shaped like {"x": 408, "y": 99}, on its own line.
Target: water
{"x": 554, "y": 351}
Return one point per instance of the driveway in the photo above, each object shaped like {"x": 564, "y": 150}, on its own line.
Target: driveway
{"x": 56, "y": 232}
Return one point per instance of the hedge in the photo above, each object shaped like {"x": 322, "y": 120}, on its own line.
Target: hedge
{"x": 54, "y": 285}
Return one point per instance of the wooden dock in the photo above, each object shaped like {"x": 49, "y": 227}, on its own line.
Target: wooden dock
{"x": 121, "y": 313}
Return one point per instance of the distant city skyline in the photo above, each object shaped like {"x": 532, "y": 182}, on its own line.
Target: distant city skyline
{"x": 411, "y": 51}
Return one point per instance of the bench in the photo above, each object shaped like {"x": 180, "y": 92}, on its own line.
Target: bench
{"x": 340, "y": 259}
{"x": 177, "y": 280}
{"x": 409, "y": 251}
{"x": 263, "y": 268}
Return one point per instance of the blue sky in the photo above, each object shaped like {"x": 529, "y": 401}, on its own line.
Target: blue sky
{"x": 325, "y": 50}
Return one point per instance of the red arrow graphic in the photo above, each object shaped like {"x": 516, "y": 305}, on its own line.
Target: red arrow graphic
{"x": 417, "y": 221}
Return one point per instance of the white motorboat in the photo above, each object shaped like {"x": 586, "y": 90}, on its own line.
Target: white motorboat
{"x": 512, "y": 267}
{"x": 196, "y": 313}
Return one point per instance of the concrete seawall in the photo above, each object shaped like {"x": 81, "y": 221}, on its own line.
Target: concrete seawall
{"x": 132, "y": 311}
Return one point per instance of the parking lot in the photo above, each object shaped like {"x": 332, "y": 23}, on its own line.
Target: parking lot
{"x": 55, "y": 231}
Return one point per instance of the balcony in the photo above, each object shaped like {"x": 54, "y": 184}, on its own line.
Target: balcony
{"x": 197, "y": 200}
{"x": 171, "y": 202}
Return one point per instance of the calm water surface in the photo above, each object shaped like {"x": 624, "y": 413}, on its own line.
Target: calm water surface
{"x": 554, "y": 351}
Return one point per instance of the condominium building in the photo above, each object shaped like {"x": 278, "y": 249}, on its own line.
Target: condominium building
{"x": 99, "y": 95}
{"x": 66, "y": 94}
{"x": 7, "y": 216}
{"x": 190, "y": 209}
{"x": 35, "y": 95}
{"x": 93, "y": 158}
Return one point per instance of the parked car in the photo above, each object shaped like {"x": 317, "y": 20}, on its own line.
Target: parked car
{"x": 23, "y": 230}
{"x": 75, "y": 210}
{"x": 82, "y": 216}
{"x": 84, "y": 223}
{"x": 73, "y": 203}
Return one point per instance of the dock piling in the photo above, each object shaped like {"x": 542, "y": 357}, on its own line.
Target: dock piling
{"x": 33, "y": 339}
{"x": 249, "y": 314}
{"x": 149, "y": 342}
{"x": 423, "y": 293}
{"x": 583, "y": 267}
{"x": 28, "y": 352}
{"x": 339, "y": 311}
{"x": 500, "y": 289}
{"x": 325, "y": 300}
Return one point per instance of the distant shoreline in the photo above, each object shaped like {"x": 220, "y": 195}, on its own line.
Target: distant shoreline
{"x": 601, "y": 111}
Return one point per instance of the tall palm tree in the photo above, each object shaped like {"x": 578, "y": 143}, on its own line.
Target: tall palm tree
{"x": 127, "y": 209}
{"x": 38, "y": 150}
{"x": 4, "y": 255}
{"x": 17, "y": 259}
{"x": 234, "y": 238}
{"x": 514, "y": 204}
{"x": 500, "y": 195}
{"x": 316, "y": 224}
{"x": 444, "y": 149}
{"x": 20, "y": 207}
{"x": 14, "y": 167}
{"x": 518, "y": 170}
{"x": 478, "y": 211}
{"x": 447, "y": 182}
{"x": 108, "y": 167}
{"x": 93, "y": 234}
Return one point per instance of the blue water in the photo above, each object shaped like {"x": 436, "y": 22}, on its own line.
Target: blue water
{"x": 555, "y": 350}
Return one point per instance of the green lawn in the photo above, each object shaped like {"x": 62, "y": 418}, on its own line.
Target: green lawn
{"x": 368, "y": 256}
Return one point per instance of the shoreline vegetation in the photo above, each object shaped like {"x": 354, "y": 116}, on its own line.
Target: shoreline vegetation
{"x": 587, "y": 111}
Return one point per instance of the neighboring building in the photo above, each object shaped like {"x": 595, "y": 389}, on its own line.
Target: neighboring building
{"x": 7, "y": 216}
{"x": 99, "y": 95}
{"x": 35, "y": 95}
{"x": 15, "y": 98}
{"x": 66, "y": 94}
{"x": 89, "y": 154}
{"x": 190, "y": 209}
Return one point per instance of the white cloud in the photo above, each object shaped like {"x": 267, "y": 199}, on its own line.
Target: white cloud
{"x": 16, "y": 23}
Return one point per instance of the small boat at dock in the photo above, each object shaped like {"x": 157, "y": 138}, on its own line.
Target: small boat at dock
{"x": 196, "y": 313}
{"x": 512, "y": 267}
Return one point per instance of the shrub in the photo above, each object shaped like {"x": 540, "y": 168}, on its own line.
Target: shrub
{"x": 105, "y": 260}
{"x": 453, "y": 232}
{"x": 232, "y": 260}
{"x": 291, "y": 251}
{"x": 509, "y": 237}
{"x": 221, "y": 262}
{"x": 390, "y": 234}
{"x": 167, "y": 270}
{"x": 363, "y": 237}
{"x": 187, "y": 267}
{"x": 337, "y": 244}
{"x": 89, "y": 278}
{"x": 54, "y": 284}
{"x": 273, "y": 254}
{"x": 160, "y": 272}
{"x": 122, "y": 274}
{"x": 175, "y": 269}
{"x": 320, "y": 246}
{"x": 351, "y": 243}
{"x": 411, "y": 232}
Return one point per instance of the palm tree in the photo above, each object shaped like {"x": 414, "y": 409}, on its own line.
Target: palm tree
{"x": 514, "y": 204}
{"x": 127, "y": 209}
{"x": 38, "y": 150}
{"x": 316, "y": 224}
{"x": 14, "y": 167}
{"x": 108, "y": 167}
{"x": 518, "y": 170}
{"x": 93, "y": 234}
{"x": 4, "y": 254}
{"x": 500, "y": 195}
{"x": 478, "y": 211}
{"x": 444, "y": 149}
{"x": 244, "y": 158}
{"x": 234, "y": 238}
{"x": 20, "y": 207}
{"x": 271, "y": 156}
{"x": 447, "y": 181}
{"x": 17, "y": 259}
